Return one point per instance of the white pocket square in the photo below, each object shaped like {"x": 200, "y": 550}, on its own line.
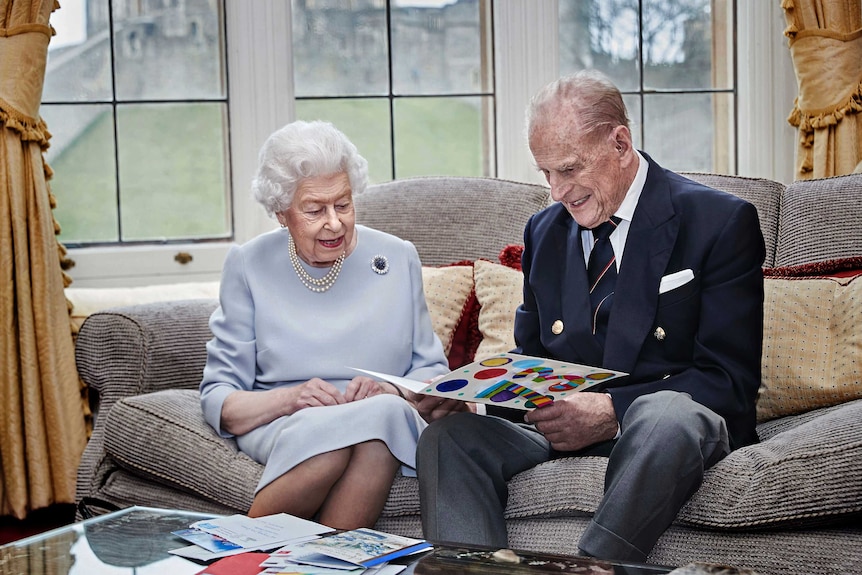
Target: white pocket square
{"x": 674, "y": 280}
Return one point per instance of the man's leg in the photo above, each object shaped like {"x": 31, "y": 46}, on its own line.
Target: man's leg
{"x": 667, "y": 442}
{"x": 463, "y": 462}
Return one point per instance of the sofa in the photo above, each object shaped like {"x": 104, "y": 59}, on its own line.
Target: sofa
{"x": 789, "y": 504}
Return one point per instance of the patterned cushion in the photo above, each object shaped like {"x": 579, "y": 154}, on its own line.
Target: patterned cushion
{"x": 499, "y": 290}
{"x": 812, "y": 345}
{"x": 447, "y": 290}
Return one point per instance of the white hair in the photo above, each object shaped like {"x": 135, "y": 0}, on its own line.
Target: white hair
{"x": 303, "y": 150}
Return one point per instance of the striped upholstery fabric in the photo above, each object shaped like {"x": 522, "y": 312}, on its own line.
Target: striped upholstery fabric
{"x": 820, "y": 220}
{"x": 472, "y": 217}
{"x": 764, "y": 194}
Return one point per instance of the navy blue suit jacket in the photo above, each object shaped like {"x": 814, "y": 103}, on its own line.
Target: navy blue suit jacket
{"x": 713, "y": 325}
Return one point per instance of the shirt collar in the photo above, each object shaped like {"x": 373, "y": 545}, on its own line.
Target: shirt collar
{"x": 627, "y": 209}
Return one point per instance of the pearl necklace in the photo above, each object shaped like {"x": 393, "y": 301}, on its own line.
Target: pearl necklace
{"x": 314, "y": 284}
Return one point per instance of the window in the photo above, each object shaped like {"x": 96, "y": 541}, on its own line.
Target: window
{"x": 498, "y": 55}
{"x": 674, "y": 62}
{"x": 409, "y": 81}
{"x": 136, "y": 98}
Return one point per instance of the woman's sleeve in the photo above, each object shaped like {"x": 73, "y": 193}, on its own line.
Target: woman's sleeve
{"x": 429, "y": 359}
{"x": 231, "y": 353}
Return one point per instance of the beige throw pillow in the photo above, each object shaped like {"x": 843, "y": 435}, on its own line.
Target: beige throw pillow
{"x": 446, "y": 291}
{"x": 812, "y": 345}
{"x": 499, "y": 290}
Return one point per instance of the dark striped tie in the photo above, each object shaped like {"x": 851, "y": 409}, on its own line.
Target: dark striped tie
{"x": 602, "y": 275}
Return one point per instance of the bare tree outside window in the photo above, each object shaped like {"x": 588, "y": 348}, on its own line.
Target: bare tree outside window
{"x": 673, "y": 61}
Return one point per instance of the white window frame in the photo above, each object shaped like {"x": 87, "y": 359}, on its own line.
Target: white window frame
{"x": 261, "y": 99}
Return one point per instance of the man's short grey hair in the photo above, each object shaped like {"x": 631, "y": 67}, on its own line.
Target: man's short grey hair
{"x": 302, "y": 150}
{"x": 587, "y": 95}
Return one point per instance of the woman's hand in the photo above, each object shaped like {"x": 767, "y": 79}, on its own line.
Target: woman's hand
{"x": 243, "y": 411}
{"x": 363, "y": 386}
{"x": 315, "y": 393}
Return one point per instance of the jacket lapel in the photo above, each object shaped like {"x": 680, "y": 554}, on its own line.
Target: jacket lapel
{"x": 651, "y": 238}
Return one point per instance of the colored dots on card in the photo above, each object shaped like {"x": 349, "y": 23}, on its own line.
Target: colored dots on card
{"x": 452, "y": 385}
{"x": 495, "y": 361}
{"x": 491, "y": 373}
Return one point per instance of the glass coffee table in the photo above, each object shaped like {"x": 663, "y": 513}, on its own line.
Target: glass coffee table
{"x": 133, "y": 540}
{"x": 136, "y": 541}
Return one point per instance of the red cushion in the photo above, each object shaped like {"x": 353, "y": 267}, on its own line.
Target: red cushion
{"x": 511, "y": 256}
{"x": 837, "y": 268}
{"x": 466, "y": 338}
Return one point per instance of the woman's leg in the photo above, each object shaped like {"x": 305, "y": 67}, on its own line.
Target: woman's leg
{"x": 358, "y": 497}
{"x": 302, "y": 490}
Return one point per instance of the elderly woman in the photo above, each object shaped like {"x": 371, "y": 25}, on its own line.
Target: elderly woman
{"x": 299, "y": 308}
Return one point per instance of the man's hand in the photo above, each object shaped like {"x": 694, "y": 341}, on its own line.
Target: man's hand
{"x": 577, "y": 421}
{"x": 432, "y": 408}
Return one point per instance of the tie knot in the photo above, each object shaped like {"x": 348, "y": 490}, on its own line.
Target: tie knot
{"x": 604, "y": 230}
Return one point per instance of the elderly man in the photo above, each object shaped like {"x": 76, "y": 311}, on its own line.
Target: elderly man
{"x": 636, "y": 269}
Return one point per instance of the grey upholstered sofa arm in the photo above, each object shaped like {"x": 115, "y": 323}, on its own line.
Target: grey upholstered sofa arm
{"x": 152, "y": 347}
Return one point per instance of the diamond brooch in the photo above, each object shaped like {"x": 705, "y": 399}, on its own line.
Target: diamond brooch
{"x": 380, "y": 264}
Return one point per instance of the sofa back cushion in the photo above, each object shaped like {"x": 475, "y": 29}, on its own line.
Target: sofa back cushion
{"x": 764, "y": 194}
{"x": 450, "y": 219}
{"x": 820, "y": 221}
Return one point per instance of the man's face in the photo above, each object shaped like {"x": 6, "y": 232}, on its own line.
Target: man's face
{"x": 585, "y": 172}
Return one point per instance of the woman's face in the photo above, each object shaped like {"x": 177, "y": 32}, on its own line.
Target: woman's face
{"x": 321, "y": 219}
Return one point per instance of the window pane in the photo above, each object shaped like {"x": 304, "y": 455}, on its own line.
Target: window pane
{"x": 442, "y": 136}
{"x": 84, "y": 183}
{"x": 633, "y": 106}
{"x": 173, "y": 171}
{"x": 690, "y": 132}
{"x": 603, "y": 35}
{"x": 167, "y": 50}
{"x": 79, "y": 56}
{"x": 679, "y": 44}
{"x": 364, "y": 121}
{"x": 437, "y": 48}
{"x": 340, "y": 50}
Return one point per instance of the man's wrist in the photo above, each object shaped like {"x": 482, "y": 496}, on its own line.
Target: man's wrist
{"x": 619, "y": 429}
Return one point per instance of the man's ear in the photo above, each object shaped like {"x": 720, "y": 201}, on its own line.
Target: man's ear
{"x": 621, "y": 138}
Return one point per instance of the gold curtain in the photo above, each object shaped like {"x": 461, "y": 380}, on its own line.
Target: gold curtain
{"x": 42, "y": 432}
{"x": 826, "y": 48}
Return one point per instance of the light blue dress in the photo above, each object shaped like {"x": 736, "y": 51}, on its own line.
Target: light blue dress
{"x": 270, "y": 331}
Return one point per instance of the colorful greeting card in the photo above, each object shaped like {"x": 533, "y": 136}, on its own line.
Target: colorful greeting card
{"x": 510, "y": 380}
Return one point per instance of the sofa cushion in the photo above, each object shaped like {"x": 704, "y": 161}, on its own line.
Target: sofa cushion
{"x": 812, "y": 345}
{"x": 806, "y": 475}
{"x": 819, "y": 220}
{"x": 764, "y": 194}
{"x": 447, "y": 291}
{"x": 451, "y": 218}
{"x": 499, "y": 290}
{"x": 163, "y": 437}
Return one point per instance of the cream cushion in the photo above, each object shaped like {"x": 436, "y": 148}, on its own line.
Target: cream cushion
{"x": 812, "y": 344}
{"x": 499, "y": 290}
{"x": 446, "y": 292}
{"x": 86, "y": 301}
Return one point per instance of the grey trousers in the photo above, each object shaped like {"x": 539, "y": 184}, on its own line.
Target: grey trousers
{"x": 667, "y": 442}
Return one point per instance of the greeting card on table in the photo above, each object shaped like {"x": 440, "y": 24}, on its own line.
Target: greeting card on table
{"x": 364, "y": 547}
{"x": 510, "y": 380}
